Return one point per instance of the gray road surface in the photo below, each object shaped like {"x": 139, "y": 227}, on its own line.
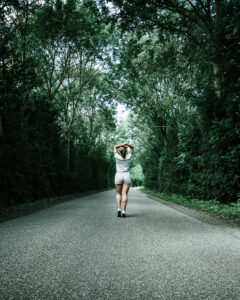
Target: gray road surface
{"x": 80, "y": 250}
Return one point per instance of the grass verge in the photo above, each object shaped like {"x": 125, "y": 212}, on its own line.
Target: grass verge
{"x": 228, "y": 211}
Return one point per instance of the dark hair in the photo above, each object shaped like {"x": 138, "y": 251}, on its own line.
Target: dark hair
{"x": 124, "y": 153}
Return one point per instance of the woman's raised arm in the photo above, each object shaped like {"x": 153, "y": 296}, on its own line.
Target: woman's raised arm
{"x": 131, "y": 147}
{"x": 118, "y": 146}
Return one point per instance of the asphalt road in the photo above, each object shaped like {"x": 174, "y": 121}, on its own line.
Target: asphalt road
{"x": 81, "y": 250}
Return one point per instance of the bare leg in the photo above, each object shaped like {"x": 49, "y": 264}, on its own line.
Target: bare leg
{"x": 118, "y": 194}
{"x": 125, "y": 195}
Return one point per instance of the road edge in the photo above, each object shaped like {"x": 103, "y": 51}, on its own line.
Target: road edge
{"x": 205, "y": 216}
{"x": 18, "y": 211}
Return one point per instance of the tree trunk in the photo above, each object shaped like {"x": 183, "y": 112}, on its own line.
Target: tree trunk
{"x": 68, "y": 151}
{"x": 217, "y": 71}
{"x": 1, "y": 126}
{"x": 218, "y": 46}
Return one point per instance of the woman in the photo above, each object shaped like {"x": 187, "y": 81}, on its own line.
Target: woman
{"x": 122, "y": 176}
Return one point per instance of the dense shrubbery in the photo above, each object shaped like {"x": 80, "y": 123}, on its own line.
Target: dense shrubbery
{"x": 230, "y": 210}
{"x": 62, "y": 68}
{"x": 179, "y": 72}
{"x": 33, "y": 160}
{"x": 55, "y": 113}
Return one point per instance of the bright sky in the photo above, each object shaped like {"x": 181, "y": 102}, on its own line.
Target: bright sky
{"x": 122, "y": 112}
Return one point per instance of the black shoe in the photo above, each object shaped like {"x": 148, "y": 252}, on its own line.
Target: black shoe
{"x": 124, "y": 215}
{"x": 119, "y": 213}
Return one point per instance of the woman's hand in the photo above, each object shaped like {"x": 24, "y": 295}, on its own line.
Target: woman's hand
{"x": 131, "y": 147}
{"x": 128, "y": 145}
{"x": 118, "y": 146}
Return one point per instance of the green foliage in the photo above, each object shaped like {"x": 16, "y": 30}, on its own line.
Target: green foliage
{"x": 65, "y": 65}
{"x": 137, "y": 177}
{"x": 231, "y": 210}
{"x": 55, "y": 108}
{"x": 179, "y": 75}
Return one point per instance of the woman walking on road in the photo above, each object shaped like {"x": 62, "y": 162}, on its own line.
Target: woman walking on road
{"x": 122, "y": 176}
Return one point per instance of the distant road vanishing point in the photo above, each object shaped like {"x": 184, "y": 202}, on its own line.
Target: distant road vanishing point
{"x": 80, "y": 249}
